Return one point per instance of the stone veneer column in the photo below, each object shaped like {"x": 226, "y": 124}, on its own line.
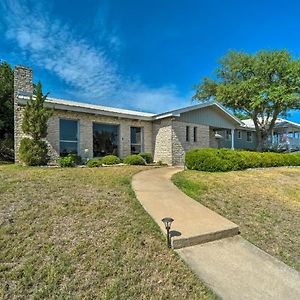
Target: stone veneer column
{"x": 22, "y": 83}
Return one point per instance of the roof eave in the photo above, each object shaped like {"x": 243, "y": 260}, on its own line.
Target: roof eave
{"x": 61, "y": 106}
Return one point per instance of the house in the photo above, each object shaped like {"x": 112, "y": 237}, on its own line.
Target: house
{"x": 94, "y": 131}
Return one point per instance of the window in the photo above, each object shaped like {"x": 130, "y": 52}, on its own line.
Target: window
{"x": 228, "y": 135}
{"x": 187, "y": 133}
{"x": 105, "y": 139}
{"x": 249, "y": 136}
{"x": 195, "y": 134}
{"x": 68, "y": 137}
{"x": 137, "y": 140}
{"x": 239, "y": 134}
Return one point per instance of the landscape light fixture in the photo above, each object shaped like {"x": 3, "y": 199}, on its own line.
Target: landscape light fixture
{"x": 168, "y": 221}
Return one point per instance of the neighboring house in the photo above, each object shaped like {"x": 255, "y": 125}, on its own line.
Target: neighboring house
{"x": 94, "y": 130}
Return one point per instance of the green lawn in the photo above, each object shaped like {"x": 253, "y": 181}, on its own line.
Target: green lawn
{"x": 265, "y": 203}
{"x": 81, "y": 234}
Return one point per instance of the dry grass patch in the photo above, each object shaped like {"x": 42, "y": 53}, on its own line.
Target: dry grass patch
{"x": 80, "y": 234}
{"x": 265, "y": 203}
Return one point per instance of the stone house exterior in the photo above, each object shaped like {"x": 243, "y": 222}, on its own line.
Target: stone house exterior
{"x": 94, "y": 131}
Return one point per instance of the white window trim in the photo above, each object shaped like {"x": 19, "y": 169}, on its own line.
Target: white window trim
{"x": 142, "y": 139}
{"x": 68, "y": 141}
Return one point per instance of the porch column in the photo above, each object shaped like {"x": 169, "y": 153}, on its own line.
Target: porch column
{"x": 232, "y": 139}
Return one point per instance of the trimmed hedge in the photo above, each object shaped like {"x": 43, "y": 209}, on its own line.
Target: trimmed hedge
{"x": 148, "y": 157}
{"x": 110, "y": 160}
{"x": 134, "y": 159}
{"x": 94, "y": 163}
{"x": 223, "y": 160}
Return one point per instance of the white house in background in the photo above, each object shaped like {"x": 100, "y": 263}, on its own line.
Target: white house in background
{"x": 76, "y": 127}
{"x": 285, "y": 135}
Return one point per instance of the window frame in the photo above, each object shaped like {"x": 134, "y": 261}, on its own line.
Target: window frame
{"x": 118, "y": 135}
{"x": 69, "y": 141}
{"x": 251, "y": 137}
{"x": 137, "y": 144}
{"x": 239, "y": 135}
{"x": 228, "y": 135}
{"x": 195, "y": 132}
{"x": 187, "y": 133}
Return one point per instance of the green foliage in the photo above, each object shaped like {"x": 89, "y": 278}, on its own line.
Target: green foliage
{"x": 6, "y": 100}
{"x": 36, "y": 115}
{"x": 262, "y": 85}
{"x": 76, "y": 158}
{"x": 33, "y": 153}
{"x": 35, "y": 125}
{"x": 6, "y": 111}
{"x": 134, "y": 159}
{"x": 148, "y": 157}
{"x": 110, "y": 160}
{"x": 66, "y": 161}
{"x": 223, "y": 160}
{"x": 70, "y": 160}
{"x": 94, "y": 163}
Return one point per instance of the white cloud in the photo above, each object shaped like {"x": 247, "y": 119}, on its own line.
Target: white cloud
{"x": 88, "y": 71}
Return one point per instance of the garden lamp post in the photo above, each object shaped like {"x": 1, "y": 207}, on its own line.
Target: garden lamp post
{"x": 168, "y": 221}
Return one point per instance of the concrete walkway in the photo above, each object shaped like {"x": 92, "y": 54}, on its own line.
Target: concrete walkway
{"x": 231, "y": 266}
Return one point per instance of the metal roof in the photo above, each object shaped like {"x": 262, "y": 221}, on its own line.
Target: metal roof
{"x": 248, "y": 123}
{"x": 91, "y": 108}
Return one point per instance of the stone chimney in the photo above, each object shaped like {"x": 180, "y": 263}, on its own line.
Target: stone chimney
{"x": 22, "y": 85}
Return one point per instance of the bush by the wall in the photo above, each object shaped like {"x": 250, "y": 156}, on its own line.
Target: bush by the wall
{"x": 76, "y": 158}
{"x": 222, "y": 160}
{"x": 134, "y": 159}
{"x": 94, "y": 163}
{"x": 110, "y": 160}
{"x": 33, "y": 153}
{"x": 148, "y": 157}
{"x": 67, "y": 161}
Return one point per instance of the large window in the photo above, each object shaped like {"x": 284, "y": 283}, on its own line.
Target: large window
{"x": 137, "y": 140}
{"x": 105, "y": 139}
{"x": 68, "y": 137}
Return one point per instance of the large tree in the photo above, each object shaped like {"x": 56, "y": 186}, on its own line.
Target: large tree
{"x": 6, "y": 111}
{"x": 263, "y": 86}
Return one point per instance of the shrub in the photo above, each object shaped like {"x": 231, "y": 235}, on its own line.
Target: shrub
{"x": 110, "y": 160}
{"x": 33, "y": 153}
{"x": 93, "y": 163}
{"x": 148, "y": 157}
{"x": 76, "y": 158}
{"x": 222, "y": 160}
{"x": 67, "y": 161}
{"x": 134, "y": 159}
{"x": 34, "y": 124}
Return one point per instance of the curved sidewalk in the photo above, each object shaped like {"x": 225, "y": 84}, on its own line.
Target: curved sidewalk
{"x": 193, "y": 223}
{"x": 231, "y": 266}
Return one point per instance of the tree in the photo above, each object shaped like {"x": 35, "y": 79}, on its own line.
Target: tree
{"x": 264, "y": 86}
{"x": 6, "y": 111}
{"x": 33, "y": 150}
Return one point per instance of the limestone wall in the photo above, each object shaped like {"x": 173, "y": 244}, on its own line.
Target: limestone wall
{"x": 179, "y": 144}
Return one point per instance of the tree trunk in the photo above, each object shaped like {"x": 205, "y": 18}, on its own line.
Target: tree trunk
{"x": 259, "y": 140}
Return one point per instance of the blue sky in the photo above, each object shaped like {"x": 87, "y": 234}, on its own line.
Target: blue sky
{"x": 143, "y": 55}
